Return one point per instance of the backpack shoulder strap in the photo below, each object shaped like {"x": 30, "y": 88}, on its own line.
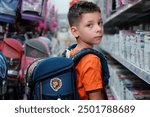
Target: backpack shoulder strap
{"x": 77, "y": 57}
{"x": 66, "y": 52}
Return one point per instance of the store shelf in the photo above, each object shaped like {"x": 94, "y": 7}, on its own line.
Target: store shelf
{"x": 134, "y": 69}
{"x": 114, "y": 93}
{"x": 131, "y": 11}
{"x": 134, "y": 16}
{"x": 129, "y": 95}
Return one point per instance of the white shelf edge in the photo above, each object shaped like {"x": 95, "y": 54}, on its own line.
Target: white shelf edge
{"x": 134, "y": 69}
{"x": 114, "y": 93}
{"x": 123, "y": 9}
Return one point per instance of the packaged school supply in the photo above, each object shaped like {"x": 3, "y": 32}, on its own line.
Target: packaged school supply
{"x": 8, "y": 10}
{"x": 3, "y": 75}
{"x": 54, "y": 78}
{"x": 33, "y": 9}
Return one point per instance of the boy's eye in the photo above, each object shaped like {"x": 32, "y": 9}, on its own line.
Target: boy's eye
{"x": 90, "y": 25}
{"x": 100, "y": 23}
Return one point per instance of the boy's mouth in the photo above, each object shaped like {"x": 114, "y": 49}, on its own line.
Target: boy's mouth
{"x": 98, "y": 37}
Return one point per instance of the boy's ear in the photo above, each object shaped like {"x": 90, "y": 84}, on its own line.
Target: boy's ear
{"x": 74, "y": 31}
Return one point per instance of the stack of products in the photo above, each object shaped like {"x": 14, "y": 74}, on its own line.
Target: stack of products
{"x": 131, "y": 46}
{"x": 109, "y": 7}
{"x": 125, "y": 85}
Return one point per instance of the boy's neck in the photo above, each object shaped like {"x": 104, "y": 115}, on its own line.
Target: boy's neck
{"x": 79, "y": 47}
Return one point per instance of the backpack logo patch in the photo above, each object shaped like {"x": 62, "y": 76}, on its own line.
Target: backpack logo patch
{"x": 55, "y": 84}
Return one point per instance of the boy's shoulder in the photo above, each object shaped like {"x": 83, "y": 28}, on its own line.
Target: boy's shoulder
{"x": 84, "y": 57}
{"x": 91, "y": 58}
{"x": 89, "y": 53}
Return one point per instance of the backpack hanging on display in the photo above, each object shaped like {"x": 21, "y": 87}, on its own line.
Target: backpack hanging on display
{"x": 33, "y": 49}
{"x": 3, "y": 75}
{"x": 12, "y": 49}
{"x": 8, "y": 10}
{"x": 33, "y": 9}
{"x": 55, "y": 78}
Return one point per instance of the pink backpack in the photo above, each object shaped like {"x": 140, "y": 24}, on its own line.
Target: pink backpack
{"x": 34, "y": 49}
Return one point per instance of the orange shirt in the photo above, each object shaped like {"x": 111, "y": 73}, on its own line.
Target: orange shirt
{"x": 89, "y": 74}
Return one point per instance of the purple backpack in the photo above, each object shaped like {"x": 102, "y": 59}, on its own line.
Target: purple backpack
{"x": 33, "y": 9}
{"x": 8, "y": 10}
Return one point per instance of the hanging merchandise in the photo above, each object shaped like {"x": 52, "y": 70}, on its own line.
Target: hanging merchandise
{"x": 8, "y": 10}
{"x": 13, "y": 51}
{"x": 33, "y": 9}
{"x": 52, "y": 21}
{"x": 34, "y": 49}
{"x": 1, "y": 39}
{"x": 41, "y": 25}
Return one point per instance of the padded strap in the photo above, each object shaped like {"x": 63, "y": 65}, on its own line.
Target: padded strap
{"x": 41, "y": 90}
{"x": 30, "y": 69}
{"x": 77, "y": 56}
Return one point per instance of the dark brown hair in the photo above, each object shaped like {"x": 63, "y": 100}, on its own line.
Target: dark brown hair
{"x": 80, "y": 8}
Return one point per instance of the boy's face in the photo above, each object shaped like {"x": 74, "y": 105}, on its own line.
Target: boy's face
{"x": 90, "y": 29}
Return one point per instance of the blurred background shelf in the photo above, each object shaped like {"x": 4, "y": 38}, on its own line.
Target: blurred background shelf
{"x": 132, "y": 11}
{"x": 134, "y": 69}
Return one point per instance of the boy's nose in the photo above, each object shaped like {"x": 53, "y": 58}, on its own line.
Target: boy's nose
{"x": 99, "y": 28}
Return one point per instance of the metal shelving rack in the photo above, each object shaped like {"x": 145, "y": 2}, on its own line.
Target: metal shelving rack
{"x": 144, "y": 6}
{"x": 126, "y": 15}
{"x": 130, "y": 11}
{"x": 122, "y": 11}
{"x": 134, "y": 69}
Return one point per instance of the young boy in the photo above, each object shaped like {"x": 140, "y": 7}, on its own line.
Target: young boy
{"x": 86, "y": 25}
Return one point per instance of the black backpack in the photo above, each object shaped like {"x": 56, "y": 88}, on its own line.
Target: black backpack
{"x": 54, "y": 78}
